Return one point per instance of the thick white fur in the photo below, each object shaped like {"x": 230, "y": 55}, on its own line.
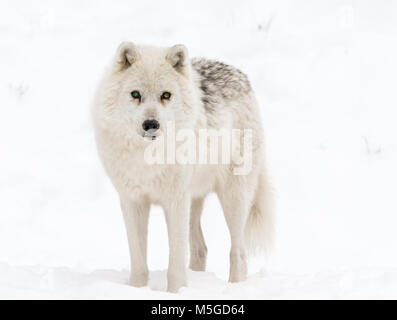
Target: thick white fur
{"x": 179, "y": 189}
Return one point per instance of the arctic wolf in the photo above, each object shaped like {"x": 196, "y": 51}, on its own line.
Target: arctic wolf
{"x": 144, "y": 89}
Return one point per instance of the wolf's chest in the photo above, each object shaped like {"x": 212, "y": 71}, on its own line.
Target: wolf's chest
{"x": 132, "y": 176}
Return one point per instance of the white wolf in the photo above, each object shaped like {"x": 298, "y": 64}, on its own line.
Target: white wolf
{"x": 143, "y": 89}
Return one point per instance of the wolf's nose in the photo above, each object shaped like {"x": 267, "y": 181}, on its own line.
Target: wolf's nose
{"x": 150, "y": 125}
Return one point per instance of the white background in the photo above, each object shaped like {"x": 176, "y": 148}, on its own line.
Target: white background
{"x": 325, "y": 73}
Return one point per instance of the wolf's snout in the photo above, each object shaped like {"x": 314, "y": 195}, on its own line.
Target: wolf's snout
{"x": 151, "y": 125}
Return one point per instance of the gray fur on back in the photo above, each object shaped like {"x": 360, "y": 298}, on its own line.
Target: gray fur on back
{"x": 219, "y": 81}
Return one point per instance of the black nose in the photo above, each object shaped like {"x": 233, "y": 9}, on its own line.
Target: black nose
{"x": 150, "y": 125}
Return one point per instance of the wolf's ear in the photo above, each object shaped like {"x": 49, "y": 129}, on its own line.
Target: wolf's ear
{"x": 127, "y": 54}
{"x": 177, "y": 56}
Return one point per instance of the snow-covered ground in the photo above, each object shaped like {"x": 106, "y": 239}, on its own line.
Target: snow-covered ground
{"x": 325, "y": 73}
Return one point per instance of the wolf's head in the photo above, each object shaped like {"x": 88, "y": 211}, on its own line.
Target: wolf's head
{"x": 145, "y": 89}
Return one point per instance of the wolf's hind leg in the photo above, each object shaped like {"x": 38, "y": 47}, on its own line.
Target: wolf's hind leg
{"x": 136, "y": 217}
{"x": 198, "y": 248}
{"x": 235, "y": 203}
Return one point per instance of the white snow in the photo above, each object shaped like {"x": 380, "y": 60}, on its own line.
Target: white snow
{"x": 325, "y": 73}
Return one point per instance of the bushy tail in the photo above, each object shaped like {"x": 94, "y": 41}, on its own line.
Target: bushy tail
{"x": 259, "y": 228}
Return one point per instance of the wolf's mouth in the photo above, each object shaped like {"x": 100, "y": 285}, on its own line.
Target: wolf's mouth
{"x": 148, "y": 136}
{"x": 151, "y": 134}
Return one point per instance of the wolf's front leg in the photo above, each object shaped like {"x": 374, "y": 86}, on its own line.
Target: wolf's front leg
{"x": 177, "y": 217}
{"x": 136, "y": 214}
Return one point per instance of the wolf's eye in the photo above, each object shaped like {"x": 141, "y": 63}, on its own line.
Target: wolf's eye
{"x": 136, "y": 95}
{"x": 166, "y": 96}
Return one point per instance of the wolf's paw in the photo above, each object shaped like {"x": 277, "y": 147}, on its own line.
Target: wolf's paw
{"x": 198, "y": 264}
{"x": 176, "y": 282}
{"x": 237, "y": 277}
{"x": 139, "y": 280}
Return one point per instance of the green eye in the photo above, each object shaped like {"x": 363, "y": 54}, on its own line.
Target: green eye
{"x": 136, "y": 94}
{"x": 166, "y": 96}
